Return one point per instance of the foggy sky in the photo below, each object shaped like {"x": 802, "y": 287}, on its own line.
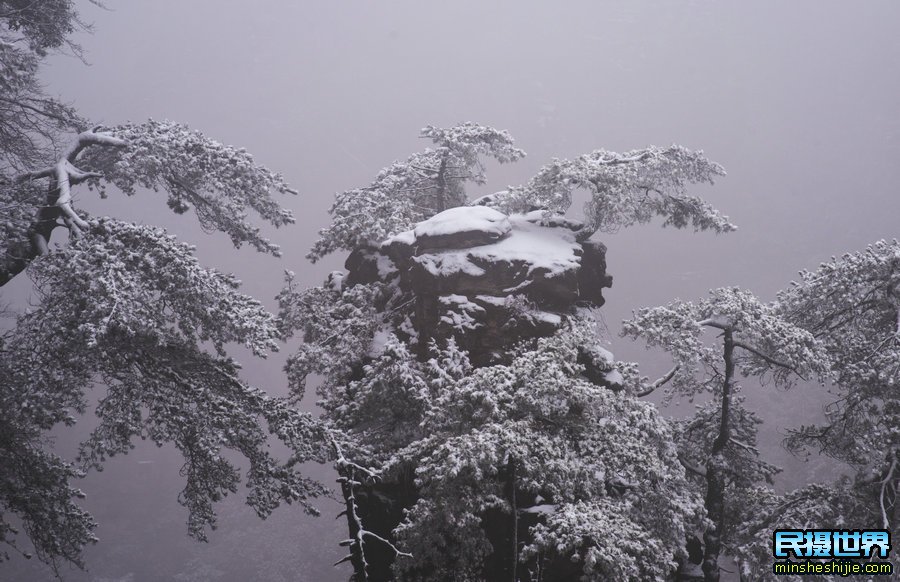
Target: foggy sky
{"x": 798, "y": 100}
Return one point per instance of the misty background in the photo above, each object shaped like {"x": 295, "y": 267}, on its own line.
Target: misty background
{"x": 799, "y": 101}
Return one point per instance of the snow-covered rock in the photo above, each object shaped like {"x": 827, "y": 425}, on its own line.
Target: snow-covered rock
{"x": 460, "y": 227}
{"x": 486, "y": 278}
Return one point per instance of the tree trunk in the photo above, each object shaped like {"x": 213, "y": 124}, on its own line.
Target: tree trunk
{"x": 357, "y": 552}
{"x": 36, "y": 242}
{"x": 441, "y": 201}
{"x": 716, "y": 473}
{"x": 515, "y": 520}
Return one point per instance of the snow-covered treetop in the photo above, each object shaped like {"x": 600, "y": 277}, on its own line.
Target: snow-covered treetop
{"x": 592, "y": 455}
{"x": 625, "y": 189}
{"x": 768, "y": 342}
{"x": 412, "y": 190}
{"x": 852, "y": 304}
{"x": 470, "y": 140}
{"x": 840, "y": 505}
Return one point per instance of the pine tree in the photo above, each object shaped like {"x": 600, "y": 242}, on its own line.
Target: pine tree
{"x": 126, "y": 310}
{"x": 718, "y": 444}
{"x": 851, "y": 304}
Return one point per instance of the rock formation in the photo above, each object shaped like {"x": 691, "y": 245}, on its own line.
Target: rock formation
{"x": 487, "y": 279}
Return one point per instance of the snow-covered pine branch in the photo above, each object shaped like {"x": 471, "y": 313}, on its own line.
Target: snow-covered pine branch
{"x": 625, "y": 189}
{"x": 128, "y": 308}
{"x": 220, "y": 182}
{"x": 851, "y": 304}
{"x": 765, "y": 342}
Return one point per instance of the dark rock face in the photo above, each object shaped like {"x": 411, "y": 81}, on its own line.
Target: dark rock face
{"x": 487, "y": 279}
{"x": 592, "y": 277}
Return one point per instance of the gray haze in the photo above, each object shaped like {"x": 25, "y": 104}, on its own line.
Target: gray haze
{"x": 798, "y": 100}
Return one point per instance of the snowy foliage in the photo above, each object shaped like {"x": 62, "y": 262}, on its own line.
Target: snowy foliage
{"x": 625, "y": 189}
{"x": 718, "y": 444}
{"x": 768, "y": 343}
{"x": 409, "y": 191}
{"x": 837, "y": 506}
{"x": 45, "y": 25}
{"x": 221, "y": 183}
{"x": 696, "y": 435}
{"x": 852, "y": 304}
{"x": 136, "y": 280}
{"x": 36, "y": 486}
{"x": 606, "y": 539}
{"x": 128, "y": 308}
{"x": 534, "y": 426}
{"x": 17, "y": 210}
{"x": 30, "y": 120}
{"x": 337, "y": 325}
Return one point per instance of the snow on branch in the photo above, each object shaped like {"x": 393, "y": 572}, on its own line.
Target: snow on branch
{"x": 625, "y": 189}
{"x": 773, "y": 344}
{"x": 888, "y": 481}
{"x": 65, "y": 175}
{"x": 222, "y": 183}
{"x": 650, "y": 388}
{"x": 138, "y": 280}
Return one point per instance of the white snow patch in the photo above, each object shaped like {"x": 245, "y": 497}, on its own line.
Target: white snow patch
{"x": 461, "y": 315}
{"x": 547, "y": 317}
{"x": 335, "y": 280}
{"x": 553, "y": 250}
{"x": 407, "y": 327}
{"x": 444, "y": 264}
{"x": 546, "y": 218}
{"x": 385, "y": 266}
{"x": 545, "y": 509}
{"x": 464, "y": 219}
{"x": 614, "y": 377}
{"x": 460, "y": 301}
{"x": 379, "y": 340}
{"x": 487, "y": 198}
{"x": 492, "y": 300}
{"x": 603, "y": 354}
{"x": 407, "y": 238}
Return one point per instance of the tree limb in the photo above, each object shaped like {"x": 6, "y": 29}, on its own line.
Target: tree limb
{"x": 58, "y": 203}
{"x": 659, "y": 382}
{"x": 769, "y": 359}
